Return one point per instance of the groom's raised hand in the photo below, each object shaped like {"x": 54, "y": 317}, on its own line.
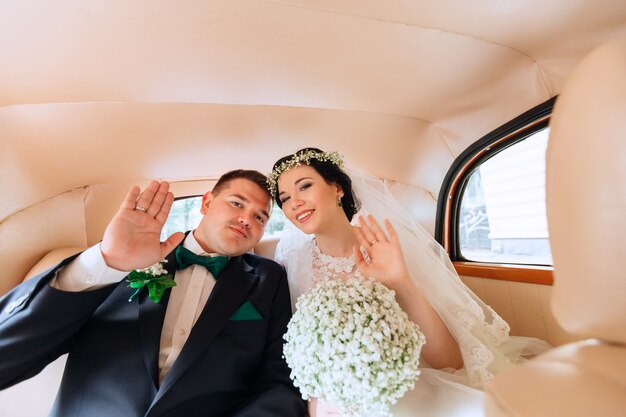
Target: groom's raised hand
{"x": 132, "y": 238}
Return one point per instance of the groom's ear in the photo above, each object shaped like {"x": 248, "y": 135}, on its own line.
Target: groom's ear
{"x": 206, "y": 202}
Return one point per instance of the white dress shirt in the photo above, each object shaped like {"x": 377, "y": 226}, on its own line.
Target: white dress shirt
{"x": 187, "y": 299}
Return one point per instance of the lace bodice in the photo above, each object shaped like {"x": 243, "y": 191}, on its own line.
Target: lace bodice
{"x": 329, "y": 267}
{"x": 323, "y": 267}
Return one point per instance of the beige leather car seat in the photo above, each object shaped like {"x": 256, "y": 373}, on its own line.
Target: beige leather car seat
{"x": 586, "y": 203}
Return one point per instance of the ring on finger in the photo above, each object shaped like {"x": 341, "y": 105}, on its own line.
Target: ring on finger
{"x": 141, "y": 209}
{"x": 373, "y": 241}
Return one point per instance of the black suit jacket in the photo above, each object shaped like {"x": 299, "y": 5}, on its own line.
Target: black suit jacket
{"x": 226, "y": 368}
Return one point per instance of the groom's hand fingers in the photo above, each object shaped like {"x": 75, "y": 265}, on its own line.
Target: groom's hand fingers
{"x": 165, "y": 208}
{"x": 130, "y": 199}
{"x": 156, "y": 204}
{"x": 147, "y": 195}
{"x": 171, "y": 243}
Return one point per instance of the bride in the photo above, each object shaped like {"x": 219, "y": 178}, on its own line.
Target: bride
{"x": 466, "y": 341}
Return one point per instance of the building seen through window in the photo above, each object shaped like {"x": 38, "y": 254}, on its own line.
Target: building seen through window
{"x": 503, "y": 208}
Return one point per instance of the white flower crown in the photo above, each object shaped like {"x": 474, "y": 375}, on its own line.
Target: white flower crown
{"x": 299, "y": 158}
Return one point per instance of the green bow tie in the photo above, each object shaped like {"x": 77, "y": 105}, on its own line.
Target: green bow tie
{"x": 215, "y": 264}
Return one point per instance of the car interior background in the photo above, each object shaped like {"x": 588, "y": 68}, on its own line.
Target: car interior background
{"x": 96, "y": 97}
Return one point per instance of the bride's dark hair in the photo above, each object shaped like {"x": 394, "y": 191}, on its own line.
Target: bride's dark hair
{"x": 332, "y": 174}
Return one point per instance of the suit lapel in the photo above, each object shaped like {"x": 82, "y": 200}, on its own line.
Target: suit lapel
{"x": 229, "y": 293}
{"x": 151, "y": 316}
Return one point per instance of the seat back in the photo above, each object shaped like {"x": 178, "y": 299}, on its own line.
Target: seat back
{"x": 586, "y": 197}
{"x": 586, "y": 207}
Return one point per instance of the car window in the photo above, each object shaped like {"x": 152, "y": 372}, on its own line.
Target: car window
{"x": 503, "y": 209}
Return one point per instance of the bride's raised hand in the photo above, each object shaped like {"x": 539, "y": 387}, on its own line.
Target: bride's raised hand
{"x": 132, "y": 238}
{"x": 386, "y": 260}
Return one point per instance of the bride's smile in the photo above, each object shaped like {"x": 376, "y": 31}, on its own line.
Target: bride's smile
{"x": 309, "y": 201}
{"x": 302, "y": 217}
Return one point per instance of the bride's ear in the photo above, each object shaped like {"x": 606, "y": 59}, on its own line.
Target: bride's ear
{"x": 339, "y": 188}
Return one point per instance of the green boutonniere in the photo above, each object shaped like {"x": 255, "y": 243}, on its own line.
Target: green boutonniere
{"x": 154, "y": 277}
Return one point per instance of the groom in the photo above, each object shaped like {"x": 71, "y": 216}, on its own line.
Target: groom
{"x": 209, "y": 346}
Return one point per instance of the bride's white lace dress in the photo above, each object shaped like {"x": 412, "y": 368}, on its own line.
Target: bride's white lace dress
{"x": 482, "y": 335}
{"x": 433, "y": 395}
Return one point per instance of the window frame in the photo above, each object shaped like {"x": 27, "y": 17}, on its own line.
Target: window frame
{"x": 450, "y": 195}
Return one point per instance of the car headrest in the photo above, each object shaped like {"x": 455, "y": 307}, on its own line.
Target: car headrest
{"x": 586, "y": 196}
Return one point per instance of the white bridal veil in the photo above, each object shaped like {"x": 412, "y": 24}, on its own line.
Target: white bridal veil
{"x": 483, "y": 336}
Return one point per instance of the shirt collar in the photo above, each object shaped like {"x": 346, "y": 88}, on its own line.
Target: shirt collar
{"x": 192, "y": 244}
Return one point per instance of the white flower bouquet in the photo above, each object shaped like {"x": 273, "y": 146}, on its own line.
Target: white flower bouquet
{"x": 350, "y": 343}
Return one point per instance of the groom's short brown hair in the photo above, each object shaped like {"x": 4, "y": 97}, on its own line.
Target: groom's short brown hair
{"x": 248, "y": 174}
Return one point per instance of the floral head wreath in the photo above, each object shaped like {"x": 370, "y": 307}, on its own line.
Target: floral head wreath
{"x": 299, "y": 158}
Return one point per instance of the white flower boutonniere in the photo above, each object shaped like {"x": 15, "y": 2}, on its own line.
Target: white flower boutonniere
{"x": 155, "y": 277}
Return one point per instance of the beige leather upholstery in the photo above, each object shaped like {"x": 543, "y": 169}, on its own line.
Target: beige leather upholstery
{"x": 52, "y": 258}
{"x": 31, "y": 233}
{"x": 267, "y": 247}
{"x": 586, "y": 201}
{"x": 586, "y": 197}
{"x": 579, "y": 379}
